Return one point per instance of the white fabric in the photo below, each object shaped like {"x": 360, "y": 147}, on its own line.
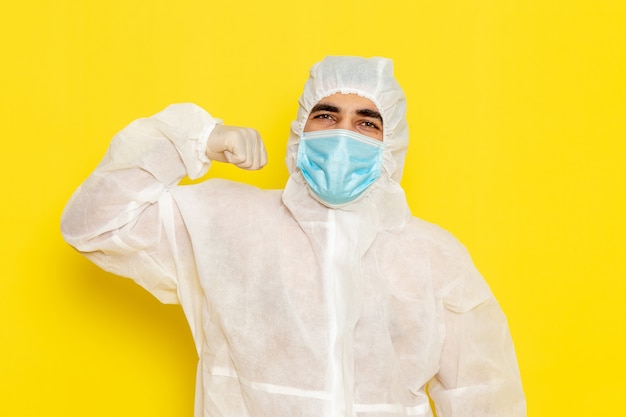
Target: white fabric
{"x": 297, "y": 309}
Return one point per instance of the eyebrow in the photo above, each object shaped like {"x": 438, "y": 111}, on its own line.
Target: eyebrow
{"x": 334, "y": 109}
{"x": 370, "y": 113}
{"x": 325, "y": 107}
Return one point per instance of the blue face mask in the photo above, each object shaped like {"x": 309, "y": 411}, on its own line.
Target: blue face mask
{"x": 339, "y": 165}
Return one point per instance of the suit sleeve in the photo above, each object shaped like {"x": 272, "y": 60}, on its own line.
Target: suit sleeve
{"x": 123, "y": 217}
{"x": 478, "y": 372}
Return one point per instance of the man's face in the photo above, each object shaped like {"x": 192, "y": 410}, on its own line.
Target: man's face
{"x": 346, "y": 111}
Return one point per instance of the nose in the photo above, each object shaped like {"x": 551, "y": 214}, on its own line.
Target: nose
{"x": 346, "y": 124}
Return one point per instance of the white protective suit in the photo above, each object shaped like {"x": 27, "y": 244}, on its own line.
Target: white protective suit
{"x": 298, "y": 309}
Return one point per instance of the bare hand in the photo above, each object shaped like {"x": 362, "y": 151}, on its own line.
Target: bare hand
{"x": 240, "y": 146}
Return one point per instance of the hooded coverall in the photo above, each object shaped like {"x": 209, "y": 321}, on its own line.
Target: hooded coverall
{"x": 298, "y": 309}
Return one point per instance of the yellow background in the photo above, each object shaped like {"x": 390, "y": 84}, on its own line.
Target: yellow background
{"x": 517, "y": 111}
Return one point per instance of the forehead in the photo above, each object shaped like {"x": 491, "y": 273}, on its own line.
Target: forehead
{"x": 349, "y": 102}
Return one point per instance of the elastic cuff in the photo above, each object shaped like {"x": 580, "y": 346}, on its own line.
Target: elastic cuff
{"x": 200, "y": 149}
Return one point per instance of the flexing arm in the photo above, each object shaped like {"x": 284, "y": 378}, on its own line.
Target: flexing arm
{"x": 120, "y": 216}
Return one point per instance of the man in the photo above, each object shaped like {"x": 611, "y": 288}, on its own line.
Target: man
{"x": 326, "y": 298}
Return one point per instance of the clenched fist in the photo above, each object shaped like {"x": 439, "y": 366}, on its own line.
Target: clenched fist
{"x": 240, "y": 146}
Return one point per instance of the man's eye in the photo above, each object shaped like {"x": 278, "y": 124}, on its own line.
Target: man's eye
{"x": 323, "y": 116}
{"x": 370, "y": 125}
